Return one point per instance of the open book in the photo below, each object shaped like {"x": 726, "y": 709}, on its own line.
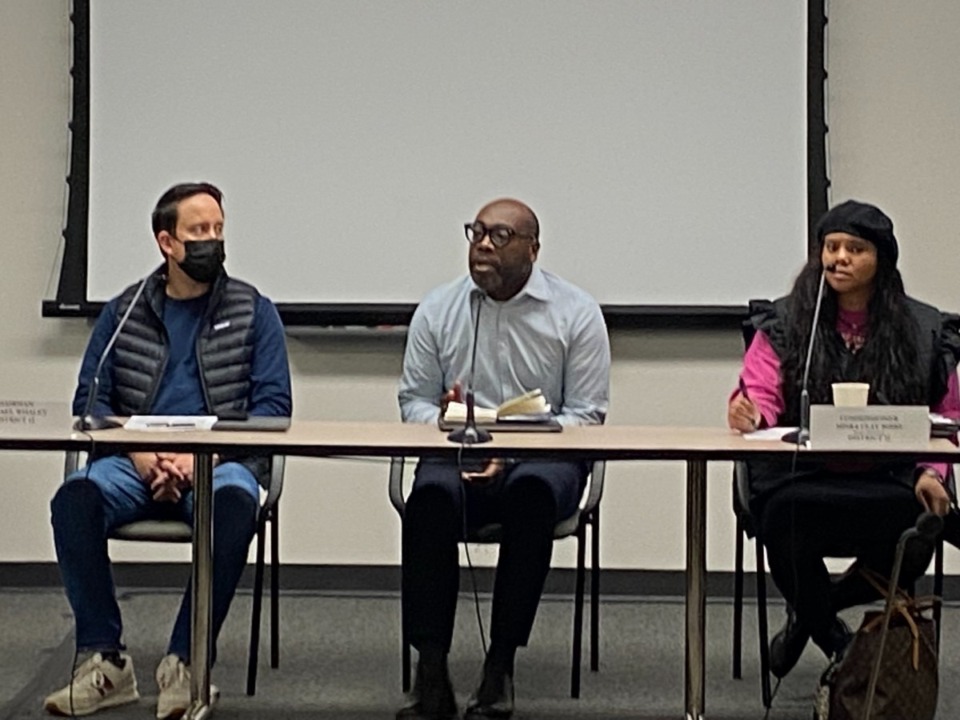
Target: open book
{"x": 529, "y": 407}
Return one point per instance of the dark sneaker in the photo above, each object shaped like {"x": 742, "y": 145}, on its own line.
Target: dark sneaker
{"x": 432, "y": 696}
{"x": 493, "y": 699}
{"x": 836, "y": 642}
{"x": 787, "y": 646}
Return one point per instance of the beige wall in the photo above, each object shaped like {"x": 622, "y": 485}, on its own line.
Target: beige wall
{"x": 894, "y": 113}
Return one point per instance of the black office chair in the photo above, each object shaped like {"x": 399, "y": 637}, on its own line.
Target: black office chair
{"x": 587, "y": 514}
{"x": 174, "y": 531}
{"x": 746, "y": 528}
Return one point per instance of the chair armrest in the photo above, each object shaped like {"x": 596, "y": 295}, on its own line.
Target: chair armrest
{"x": 594, "y": 487}
{"x": 71, "y": 462}
{"x": 396, "y": 485}
{"x": 741, "y": 487}
{"x": 278, "y": 464}
{"x": 741, "y": 498}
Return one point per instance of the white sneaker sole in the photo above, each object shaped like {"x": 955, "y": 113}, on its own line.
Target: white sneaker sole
{"x": 179, "y": 712}
{"x": 120, "y": 698}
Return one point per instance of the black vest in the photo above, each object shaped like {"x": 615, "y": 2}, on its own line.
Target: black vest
{"x": 936, "y": 340}
{"x": 938, "y": 345}
{"x": 224, "y": 351}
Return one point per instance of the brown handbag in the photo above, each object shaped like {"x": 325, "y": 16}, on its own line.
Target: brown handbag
{"x": 908, "y": 681}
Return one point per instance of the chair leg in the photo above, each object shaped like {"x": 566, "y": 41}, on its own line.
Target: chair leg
{"x": 275, "y": 587}
{"x": 762, "y": 629}
{"x": 938, "y": 589}
{"x": 595, "y": 590}
{"x": 578, "y": 611}
{"x": 738, "y": 601}
{"x": 254, "y": 657}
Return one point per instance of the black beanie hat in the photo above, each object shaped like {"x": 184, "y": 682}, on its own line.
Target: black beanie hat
{"x": 863, "y": 221}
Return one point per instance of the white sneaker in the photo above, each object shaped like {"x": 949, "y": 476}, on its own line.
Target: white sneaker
{"x": 96, "y": 684}
{"x": 173, "y": 680}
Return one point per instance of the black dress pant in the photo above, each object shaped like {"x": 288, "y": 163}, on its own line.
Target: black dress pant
{"x": 527, "y": 499}
{"x": 832, "y": 515}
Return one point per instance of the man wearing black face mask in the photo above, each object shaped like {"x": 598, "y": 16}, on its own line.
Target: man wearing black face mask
{"x": 196, "y": 342}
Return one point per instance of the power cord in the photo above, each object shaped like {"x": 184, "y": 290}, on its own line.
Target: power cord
{"x": 773, "y": 695}
{"x": 466, "y": 548}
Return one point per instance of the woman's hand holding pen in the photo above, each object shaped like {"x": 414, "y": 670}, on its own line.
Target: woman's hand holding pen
{"x": 742, "y": 413}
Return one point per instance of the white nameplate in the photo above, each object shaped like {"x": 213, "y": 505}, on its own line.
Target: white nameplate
{"x": 877, "y": 427}
{"x": 166, "y": 423}
{"x": 26, "y": 415}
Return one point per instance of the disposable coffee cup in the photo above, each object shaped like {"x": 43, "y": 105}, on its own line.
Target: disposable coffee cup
{"x": 850, "y": 394}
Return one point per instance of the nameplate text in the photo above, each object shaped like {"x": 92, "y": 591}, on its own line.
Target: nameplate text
{"x": 880, "y": 427}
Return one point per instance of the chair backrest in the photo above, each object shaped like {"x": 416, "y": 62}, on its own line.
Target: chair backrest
{"x": 741, "y": 470}
{"x": 589, "y": 500}
{"x": 747, "y": 328}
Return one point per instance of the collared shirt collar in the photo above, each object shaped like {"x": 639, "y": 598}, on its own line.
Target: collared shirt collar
{"x": 536, "y": 286}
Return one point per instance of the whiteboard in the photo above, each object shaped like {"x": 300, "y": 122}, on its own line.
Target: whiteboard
{"x": 662, "y": 143}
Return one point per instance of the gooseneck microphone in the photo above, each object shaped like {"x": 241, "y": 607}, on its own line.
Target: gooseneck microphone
{"x": 470, "y": 434}
{"x": 87, "y": 421}
{"x": 803, "y": 436}
{"x": 927, "y": 527}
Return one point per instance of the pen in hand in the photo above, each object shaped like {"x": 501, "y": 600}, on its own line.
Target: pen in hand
{"x": 746, "y": 396}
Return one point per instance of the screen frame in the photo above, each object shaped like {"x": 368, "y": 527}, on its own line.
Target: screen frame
{"x": 71, "y": 298}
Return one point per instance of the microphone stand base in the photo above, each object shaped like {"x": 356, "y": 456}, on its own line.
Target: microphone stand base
{"x": 469, "y": 435}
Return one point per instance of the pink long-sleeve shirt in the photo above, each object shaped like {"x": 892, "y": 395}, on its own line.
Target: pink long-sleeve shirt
{"x": 761, "y": 377}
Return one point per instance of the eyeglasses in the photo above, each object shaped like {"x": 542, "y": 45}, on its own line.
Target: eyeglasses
{"x": 500, "y": 235}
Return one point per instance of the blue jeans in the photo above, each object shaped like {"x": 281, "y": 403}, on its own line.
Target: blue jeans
{"x": 108, "y": 493}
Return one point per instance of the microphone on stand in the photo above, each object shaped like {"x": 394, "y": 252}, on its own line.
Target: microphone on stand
{"x": 927, "y": 527}
{"x": 803, "y": 435}
{"x": 470, "y": 434}
{"x": 88, "y": 421}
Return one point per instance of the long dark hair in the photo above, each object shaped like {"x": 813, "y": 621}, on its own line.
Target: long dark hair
{"x": 889, "y": 360}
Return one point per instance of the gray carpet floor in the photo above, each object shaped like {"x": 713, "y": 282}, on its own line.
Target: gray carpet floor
{"x": 340, "y": 659}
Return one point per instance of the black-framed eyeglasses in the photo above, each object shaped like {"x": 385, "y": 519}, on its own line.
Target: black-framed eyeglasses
{"x": 500, "y": 235}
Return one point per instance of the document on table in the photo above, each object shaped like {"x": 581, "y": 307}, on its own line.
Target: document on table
{"x": 774, "y": 433}
{"x": 168, "y": 423}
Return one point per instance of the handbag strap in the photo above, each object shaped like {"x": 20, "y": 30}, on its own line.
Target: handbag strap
{"x": 908, "y": 607}
{"x": 905, "y": 612}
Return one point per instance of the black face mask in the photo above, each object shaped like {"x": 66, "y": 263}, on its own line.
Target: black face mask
{"x": 204, "y": 259}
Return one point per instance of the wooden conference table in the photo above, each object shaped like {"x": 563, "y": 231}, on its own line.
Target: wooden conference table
{"x": 692, "y": 445}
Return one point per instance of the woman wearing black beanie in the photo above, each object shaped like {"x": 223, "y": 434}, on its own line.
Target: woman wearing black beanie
{"x": 869, "y": 331}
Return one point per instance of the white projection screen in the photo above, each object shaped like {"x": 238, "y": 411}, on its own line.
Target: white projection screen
{"x": 662, "y": 143}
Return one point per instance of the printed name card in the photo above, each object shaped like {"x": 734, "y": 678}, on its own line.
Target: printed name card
{"x": 878, "y": 427}
{"x": 24, "y": 416}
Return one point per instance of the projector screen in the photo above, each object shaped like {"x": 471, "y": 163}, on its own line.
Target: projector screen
{"x": 662, "y": 143}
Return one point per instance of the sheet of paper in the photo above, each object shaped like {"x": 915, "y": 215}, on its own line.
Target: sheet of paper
{"x": 170, "y": 423}
{"x": 774, "y": 433}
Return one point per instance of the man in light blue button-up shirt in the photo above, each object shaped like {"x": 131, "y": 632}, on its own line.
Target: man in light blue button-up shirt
{"x": 535, "y": 330}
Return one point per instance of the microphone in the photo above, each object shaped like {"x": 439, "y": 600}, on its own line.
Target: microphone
{"x": 803, "y": 435}
{"x": 470, "y": 434}
{"x": 927, "y": 527}
{"x": 87, "y": 421}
